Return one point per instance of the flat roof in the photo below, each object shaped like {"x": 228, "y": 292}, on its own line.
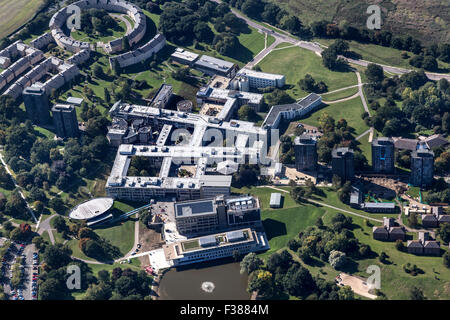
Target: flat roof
{"x": 74, "y": 100}
{"x": 275, "y": 198}
{"x": 214, "y": 63}
{"x": 258, "y": 74}
{"x": 193, "y": 208}
{"x": 184, "y": 54}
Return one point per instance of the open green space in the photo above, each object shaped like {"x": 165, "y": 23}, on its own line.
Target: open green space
{"x": 350, "y": 110}
{"x": 112, "y": 34}
{"x": 281, "y": 225}
{"x": 340, "y": 94}
{"x": 296, "y": 62}
{"x": 14, "y": 14}
{"x": 382, "y": 55}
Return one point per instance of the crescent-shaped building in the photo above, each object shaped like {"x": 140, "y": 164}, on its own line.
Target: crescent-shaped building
{"x": 59, "y": 20}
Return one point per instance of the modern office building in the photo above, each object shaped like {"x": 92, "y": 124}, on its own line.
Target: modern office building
{"x": 36, "y": 105}
{"x": 383, "y": 155}
{"x": 220, "y": 213}
{"x": 162, "y": 97}
{"x": 261, "y": 79}
{"x": 291, "y": 111}
{"x": 305, "y": 148}
{"x": 342, "y": 163}
{"x": 65, "y": 121}
{"x": 211, "y": 66}
{"x": 184, "y": 57}
{"x": 422, "y": 166}
{"x": 214, "y": 246}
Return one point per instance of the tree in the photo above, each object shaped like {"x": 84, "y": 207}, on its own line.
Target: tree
{"x": 413, "y": 221}
{"x": 246, "y": 113}
{"x": 346, "y": 293}
{"x": 107, "y": 95}
{"x": 444, "y": 232}
{"x": 57, "y": 204}
{"x": 430, "y": 63}
{"x": 98, "y": 72}
{"x": 374, "y": 73}
{"x": 399, "y": 245}
{"x": 336, "y": 182}
{"x": 261, "y": 282}
{"x": 203, "y": 32}
{"x": 330, "y": 58}
{"x": 101, "y": 291}
{"x": 446, "y": 259}
{"x": 250, "y": 263}
{"x": 60, "y": 224}
{"x": 337, "y": 259}
{"x": 416, "y": 294}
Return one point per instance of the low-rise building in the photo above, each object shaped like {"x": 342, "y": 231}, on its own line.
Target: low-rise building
{"x": 215, "y": 246}
{"x": 424, "y": 245}
{"x": 262, "y": 79}
{"x": 275, "y": 200}
{"x": 184, "y": 56}
{"x": 379, "y": 207}
{"x": 211, "y": 66}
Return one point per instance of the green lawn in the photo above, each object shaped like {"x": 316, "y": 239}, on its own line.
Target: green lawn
{"x": 111, "y": 35}
{"x": 281, "y": 225}
{"x": 121, "y": 236}
{"x": 296, "y": 62}
{"x": 382, "y": 55}
{"x": 350, "y": 110}
{"x": 340, "y": 94}
{"x": 14, "y": 14}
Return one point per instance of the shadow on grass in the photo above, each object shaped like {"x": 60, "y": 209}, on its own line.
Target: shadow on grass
{"x": 274, "y": 228}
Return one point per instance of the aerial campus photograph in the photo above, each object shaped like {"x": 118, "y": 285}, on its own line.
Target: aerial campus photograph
{"x": 231, "y": 150}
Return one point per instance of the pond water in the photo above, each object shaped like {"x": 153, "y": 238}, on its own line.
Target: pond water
{"x": 219, "y": 280}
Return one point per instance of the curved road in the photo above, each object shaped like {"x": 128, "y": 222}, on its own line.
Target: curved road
{"x": 286, "y": 37}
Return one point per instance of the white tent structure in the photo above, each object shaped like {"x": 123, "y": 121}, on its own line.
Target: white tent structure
{"x": 227, "y": 167}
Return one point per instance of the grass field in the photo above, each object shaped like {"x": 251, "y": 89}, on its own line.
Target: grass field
{"x": 14, "y": 14}
{"x": 340, "y": 94}
{"x": 112, "y": 34}
{"x": 382, "y": 55}
{"x": 296, "y": 62}
{"x": 281, "y": 225}
{"x": 350, "y": 110}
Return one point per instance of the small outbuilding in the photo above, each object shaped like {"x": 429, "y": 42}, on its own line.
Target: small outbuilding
{"x": 275, "y": 200}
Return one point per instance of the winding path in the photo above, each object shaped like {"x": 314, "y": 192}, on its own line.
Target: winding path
{"x": 30, "y": 211}
{"x": 315, "y": 47}
{"x": 327, "y": 205}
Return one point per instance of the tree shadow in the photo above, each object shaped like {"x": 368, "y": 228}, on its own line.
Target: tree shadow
{"x": 241, "y": 53}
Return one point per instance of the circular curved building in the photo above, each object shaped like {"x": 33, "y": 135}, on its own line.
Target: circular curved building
{"x": 59, "y": 20}
{"x": 93, "y": 211}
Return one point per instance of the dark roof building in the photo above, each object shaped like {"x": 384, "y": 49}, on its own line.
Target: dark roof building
{"x": 422, "y": 166}
{"x": 342, "y": 163}
{"x": 37, "y": 105}
{"x": 65, "y": 121}
{"x": 383, "y": 155}
{"x": 305, "y": 149}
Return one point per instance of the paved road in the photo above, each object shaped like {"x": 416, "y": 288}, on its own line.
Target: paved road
{"x": 46, "y": 226}
{"x": 125, "y": 20}
{"x": 286, "y": 37}
{"x": 263, "y": 53}
{"x": 363, "y": 134}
